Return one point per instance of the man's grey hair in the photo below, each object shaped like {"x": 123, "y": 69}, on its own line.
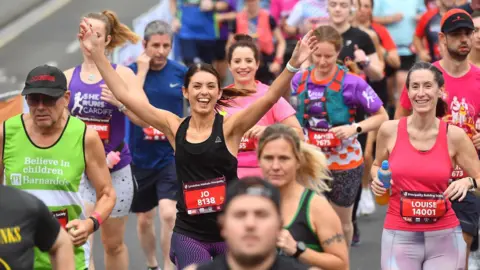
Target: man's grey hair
{"x": 157, "y": 27}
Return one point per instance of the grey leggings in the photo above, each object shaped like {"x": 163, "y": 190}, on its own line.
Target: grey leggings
{"x": 436, "y": 250}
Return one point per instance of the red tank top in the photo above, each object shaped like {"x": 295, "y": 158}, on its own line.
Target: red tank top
{"x": 420, "y": 178}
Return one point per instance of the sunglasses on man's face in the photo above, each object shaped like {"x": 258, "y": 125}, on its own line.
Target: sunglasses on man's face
{"x": 36, "y": 99}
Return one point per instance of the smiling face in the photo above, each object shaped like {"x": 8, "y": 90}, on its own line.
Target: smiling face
{"x": 423, "y": 91}
{"x": 203, "y": 92}
{"x": 243, "y": 65}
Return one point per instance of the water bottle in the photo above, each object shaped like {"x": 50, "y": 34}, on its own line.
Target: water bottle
{"x": 385, "y": 176}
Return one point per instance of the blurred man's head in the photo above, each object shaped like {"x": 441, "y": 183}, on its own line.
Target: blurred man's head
{"x": 456, "y": 33}
{"x": 251, "y": 222}
{"x": 476, "y": 31}
{"x": 446, "y": 4}
{"x": 46, "y": 94}
{"x": 157, "y": 41}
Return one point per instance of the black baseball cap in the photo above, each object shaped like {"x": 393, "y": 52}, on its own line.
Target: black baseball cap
{"x": 46, "y": 80}
{"x": 455, "y": 19}
{"x": 255, "y": 186}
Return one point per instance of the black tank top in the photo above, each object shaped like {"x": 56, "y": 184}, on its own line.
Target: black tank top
{"x": 204, "y": 169}
{"x": 301, "y": 227}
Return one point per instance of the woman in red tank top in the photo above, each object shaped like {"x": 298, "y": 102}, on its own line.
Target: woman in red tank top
{"x": 421, "y": 231}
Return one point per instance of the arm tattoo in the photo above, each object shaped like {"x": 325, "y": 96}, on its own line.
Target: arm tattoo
{"x": 336, "y": 238}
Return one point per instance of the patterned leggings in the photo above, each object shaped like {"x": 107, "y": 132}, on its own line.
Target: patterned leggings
{"x": 185, "y": 251}
{"x": 436, "y": 250}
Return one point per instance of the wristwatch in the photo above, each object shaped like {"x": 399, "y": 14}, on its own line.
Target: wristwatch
{"x": 474, "y": 184}
{"x": 358, "y": 128}
{"x": 301, "y": 247}
{"x": 364, "y": 64}
{"x": 96, "y": 225}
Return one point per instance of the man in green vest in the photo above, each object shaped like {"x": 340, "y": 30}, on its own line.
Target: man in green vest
{"x": 45, "y": 153}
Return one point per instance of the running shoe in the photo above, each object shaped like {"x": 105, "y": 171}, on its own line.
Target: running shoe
{"x": 366, "y": 204}
{"x": 356, "y": 236}
{"x": 474, "y": 260}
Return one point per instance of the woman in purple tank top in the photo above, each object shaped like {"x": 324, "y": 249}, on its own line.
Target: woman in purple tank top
{"x": 95, "y": 104}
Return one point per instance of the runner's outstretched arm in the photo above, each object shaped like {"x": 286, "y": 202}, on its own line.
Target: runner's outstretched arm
{"x": 132, "y": 96}
{"x": 242, "y": 121}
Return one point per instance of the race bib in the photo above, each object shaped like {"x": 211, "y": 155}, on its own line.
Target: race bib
{"x": 247, "y": 144}
{"x": 323, "y": 139}
{"x": 422, "y": 207}
{"x": 61, "y": 216}
{"x": 204, "y": 196}
{"x": 458, "y": 173}
{"x": 153, "y": 134}
{"x": 102, "y": 127}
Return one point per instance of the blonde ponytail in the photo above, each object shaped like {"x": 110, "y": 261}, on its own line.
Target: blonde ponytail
{"x": 313, "y": 171}
{"x": 119, "y": 32}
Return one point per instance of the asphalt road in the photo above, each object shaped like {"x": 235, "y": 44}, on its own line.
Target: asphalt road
{"x": 47, "y": 42}
{"x": 366, "y": 256}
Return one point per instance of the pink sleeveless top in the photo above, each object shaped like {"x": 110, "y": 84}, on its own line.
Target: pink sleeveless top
{"x": 419, "y": 180}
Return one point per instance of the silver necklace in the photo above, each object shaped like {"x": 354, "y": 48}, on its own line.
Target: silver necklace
{"x": 91, "y": 77}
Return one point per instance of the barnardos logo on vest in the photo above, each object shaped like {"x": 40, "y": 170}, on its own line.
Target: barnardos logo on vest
{"x": 41, "y": 171}
{"x": 90, "y": 104}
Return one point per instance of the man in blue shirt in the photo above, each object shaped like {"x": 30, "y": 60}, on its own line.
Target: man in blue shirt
{"x": 153, "y": 156}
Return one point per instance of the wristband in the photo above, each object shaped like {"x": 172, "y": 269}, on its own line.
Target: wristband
{"x": 96, "y": 224}
{"x": 97, "y": 217}
{"x": 292, "y": 69}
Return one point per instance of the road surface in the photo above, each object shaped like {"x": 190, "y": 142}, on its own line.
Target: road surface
{"x": 363, "y": 257}
{"x": 52, "y": 41}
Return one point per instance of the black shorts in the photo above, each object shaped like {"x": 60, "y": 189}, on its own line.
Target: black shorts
{"x": 220, "y": 50}
{"x": 406, "y": 62}
{"x": 154, "y": 185}
{"x": 467, "y": 213}
{"x": 202, "y": 49}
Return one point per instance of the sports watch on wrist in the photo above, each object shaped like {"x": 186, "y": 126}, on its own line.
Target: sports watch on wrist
{"x": 474, "y": 184}
{"x": 301, "y": 247}
{"x": 358, "y": 128}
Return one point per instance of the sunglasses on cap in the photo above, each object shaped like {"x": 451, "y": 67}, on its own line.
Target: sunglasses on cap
{"x": 36, "y": 99}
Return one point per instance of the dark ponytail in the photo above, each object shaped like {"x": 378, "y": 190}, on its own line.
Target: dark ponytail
{"x": 442, "y": 107}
